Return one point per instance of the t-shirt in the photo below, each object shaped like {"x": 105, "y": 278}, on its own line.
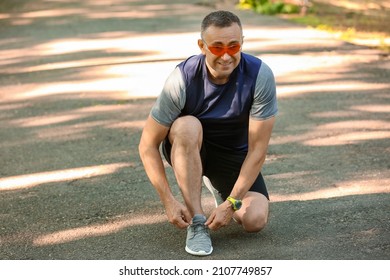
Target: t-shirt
{"x": 223, "y": 110}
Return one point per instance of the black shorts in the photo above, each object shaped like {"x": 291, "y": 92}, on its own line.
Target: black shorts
{"x": 222, "y": 167}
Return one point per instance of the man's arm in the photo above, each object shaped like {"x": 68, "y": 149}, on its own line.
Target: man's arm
{"x": 152, "y": 136}
{"x": 259, "y": 135}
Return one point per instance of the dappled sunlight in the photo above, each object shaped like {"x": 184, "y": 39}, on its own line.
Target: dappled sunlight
{"x": 93, "y": 9}
{"x": 121, "y": 82}
{"x": 78, "y": 80}
{"x": 325, "y": 65}
{"x": 269, "y": 45}
{"x": 292, "y": 175}
{"x": 103, "y": 10}
{"x": 271, "y": 40}
{"x": 132, "y": 48}
{"x": 130, "y": 57}
{"x": 348, "y": 138}
{"x": 69, "y": 132}
{"x": 373, "y": 108}
{"x": 292, "y": 34}
{"x": 76, "y": 114}
{"x": 76, "y": 124}
{"x": 44, "y": 120}
{"x": 296, "y": 90}
{"x": 124, "y": 76}
{"x": 335, "y": 114}
{"x": 355, "y": 124}
{"x": 75, "y": 45}
{"x": 322, "y": 138}
{"x": 110, "y": 227}
{"x": 347, "y": 188}
{"x": 36, "y": 179}
{"x": 81, "y": 130}
{"x": 363, "y": 6}
{"x": 121, "y": 14}
{"x": 130, "y": 124}
{"x": 51, "y": 13}
{"x": 135, "y": 83}
{"x": 339, "y": 133}
{"x": 80, "y": 115}
{"x": 123, "y": 62}
{"x": 348, "y": 132}
{"x": 138, "y": 76}
{"x": 12, "y": 106}
{"x": 114, "y": 226}
{"x": 120, "y": 64}
{"x": 116, "y": 87}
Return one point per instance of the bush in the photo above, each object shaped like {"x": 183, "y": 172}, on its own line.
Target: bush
{"x": 269, "y": 7}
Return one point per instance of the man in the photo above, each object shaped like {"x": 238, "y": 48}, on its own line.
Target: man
{"x": 214, "y": 117}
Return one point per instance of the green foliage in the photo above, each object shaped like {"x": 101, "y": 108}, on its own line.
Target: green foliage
{"x": 269, "y": 7}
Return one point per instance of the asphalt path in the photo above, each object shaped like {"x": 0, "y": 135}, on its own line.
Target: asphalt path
{"x": 77, "y": 81}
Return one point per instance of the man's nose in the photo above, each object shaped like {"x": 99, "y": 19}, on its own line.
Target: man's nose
{"x": 225, "y": 56}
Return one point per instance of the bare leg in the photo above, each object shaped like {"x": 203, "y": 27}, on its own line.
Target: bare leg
{"x": 186, "y": 136}
{"x": 253, "y": 215}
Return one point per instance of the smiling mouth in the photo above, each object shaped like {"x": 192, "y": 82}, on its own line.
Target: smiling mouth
{"x": 225, "y": 64}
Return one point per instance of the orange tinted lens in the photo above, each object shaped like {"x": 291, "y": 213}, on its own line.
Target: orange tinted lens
{"x": 219, "y": 51}
{"x": 233, "y": 49}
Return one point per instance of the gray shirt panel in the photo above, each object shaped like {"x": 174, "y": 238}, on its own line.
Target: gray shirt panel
{"x": 265, "y": 103}
{"x": 172, "y": 99}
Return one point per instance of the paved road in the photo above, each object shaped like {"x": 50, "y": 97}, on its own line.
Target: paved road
{"x": 77, "y": 80}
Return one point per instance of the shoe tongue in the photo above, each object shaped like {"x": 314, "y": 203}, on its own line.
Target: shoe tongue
{"x": 198, "y": 218}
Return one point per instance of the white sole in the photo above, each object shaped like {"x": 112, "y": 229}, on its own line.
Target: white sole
{"x": 209, "y": 186}
{"x": 200, "y": 253}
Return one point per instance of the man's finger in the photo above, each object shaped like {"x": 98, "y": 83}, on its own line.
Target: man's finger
{"x": 182, "y": 224}
{"x": 186, "y": 216}
{"x": 210, "y": 219}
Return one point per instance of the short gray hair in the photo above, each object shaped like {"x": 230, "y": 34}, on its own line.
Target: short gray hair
{"x": 219, "y": 19}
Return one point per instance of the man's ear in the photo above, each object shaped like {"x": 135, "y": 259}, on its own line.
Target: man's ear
{"x": 201, "y": 46}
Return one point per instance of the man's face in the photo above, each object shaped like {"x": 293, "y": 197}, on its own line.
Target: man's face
{"x": 221, "y": 66}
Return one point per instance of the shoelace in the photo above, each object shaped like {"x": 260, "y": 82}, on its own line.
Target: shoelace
{"x": 198, "y": 228}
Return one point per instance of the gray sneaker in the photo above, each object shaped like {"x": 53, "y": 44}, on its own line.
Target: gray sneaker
{"x": 198, "y": 237}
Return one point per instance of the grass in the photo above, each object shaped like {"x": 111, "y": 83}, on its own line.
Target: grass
{"x": 357, "y": 21}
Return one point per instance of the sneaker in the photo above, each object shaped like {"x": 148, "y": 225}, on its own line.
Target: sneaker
{"x": 217, "y": 198}
{"x": 213, "y": 191}
{"x": 198, "y": 237}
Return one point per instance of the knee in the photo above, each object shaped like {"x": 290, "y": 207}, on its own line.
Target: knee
{"x": 255, "y": 224}
{"x": 186, "y": 130}
{"x": 187, "y": 123}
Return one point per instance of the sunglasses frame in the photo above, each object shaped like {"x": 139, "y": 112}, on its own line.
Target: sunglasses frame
{"x": 224, "y": 49}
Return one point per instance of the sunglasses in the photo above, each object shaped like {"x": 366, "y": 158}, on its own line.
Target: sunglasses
{"x": 221, "y": 50}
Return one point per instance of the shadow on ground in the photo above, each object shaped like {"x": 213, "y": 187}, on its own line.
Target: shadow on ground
{"x": 77, "y": 81}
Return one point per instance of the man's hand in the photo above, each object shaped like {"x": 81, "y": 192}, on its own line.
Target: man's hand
{"x": 221, "y": 216}
{"x": 177, "y": 213}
